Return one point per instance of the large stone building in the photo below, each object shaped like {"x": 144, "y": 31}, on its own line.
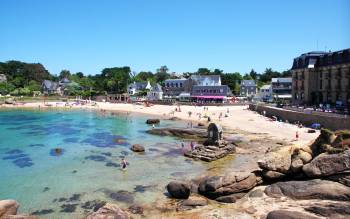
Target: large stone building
{"x": 322, "y": 78}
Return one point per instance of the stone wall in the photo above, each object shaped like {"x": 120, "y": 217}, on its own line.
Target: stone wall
{"x": 330, "y": 122}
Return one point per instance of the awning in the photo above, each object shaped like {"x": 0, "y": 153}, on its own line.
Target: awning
{"x": 284, "y": 96}
{"x": 185, "y": 95}
{"x": 210, "y": 97}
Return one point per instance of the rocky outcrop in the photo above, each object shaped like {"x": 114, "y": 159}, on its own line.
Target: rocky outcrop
{"x": 311, "y": 189}
{"x": 8, "y": 210}
{"x": 331, "y": 142}
{"x": 230, "y": 198}
{"x": 192, "y": 202}
{"x": 152, "y": 121}
{"x": 278, "y": 161}
{"x": 270, "y": 175}
{"x": 8, "y": 207}
{"x": 343, "y": 178}
{"x": 328, "y": 164}
{"x": 284, "y": 214}
{"x": 180, "y": 133}
{"x": 217, "y": 186}
{"x": 179, "y": 190}
{"x": 211, "y": 152}
{"x": 137, "y": 148}
{"x": 330, "y": 210}
{"x": 109, "y": 211}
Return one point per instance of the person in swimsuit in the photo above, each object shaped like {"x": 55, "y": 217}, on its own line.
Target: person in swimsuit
{"x": 123, "y": 164}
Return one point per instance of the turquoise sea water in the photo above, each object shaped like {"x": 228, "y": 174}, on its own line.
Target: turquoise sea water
{"x": 86, "y": 172}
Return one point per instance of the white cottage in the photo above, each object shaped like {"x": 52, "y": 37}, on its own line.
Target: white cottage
{"x": 136, "y": 87}
{"x": 156, "y": 93}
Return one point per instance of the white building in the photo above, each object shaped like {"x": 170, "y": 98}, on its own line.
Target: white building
{"x": 265, "y": 92}
{"x": 156, "y": 93}
{"x": 136, "y": 87}
{"x": 3, "y": 78}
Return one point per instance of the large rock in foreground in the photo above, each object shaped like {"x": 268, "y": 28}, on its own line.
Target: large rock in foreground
{"x": 8, "y": 207}
{"x": 283, "y": 214}
{"x": 109, "y": 211}
{"x": 311, "y": 189}
{"x": 278, "y": 161}
{"x": 328, "y": 164}
{"x": 179, "y": 190}
{"x": 216, "y": 186}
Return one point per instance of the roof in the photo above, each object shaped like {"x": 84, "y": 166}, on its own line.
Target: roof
{"x": 138, "y": 85}
{"x": 157, "y": 88}
{"x": 248, "y": 83}
{"x": 281, "y": 80}
{"x": 265, "y": 87}
{"x": 175, "y": 80}
{"x": 65, "y": 81}
{"x": 200, "y": 78}
{"x": 49, "y": 85}
{"x": 319, "y": 58}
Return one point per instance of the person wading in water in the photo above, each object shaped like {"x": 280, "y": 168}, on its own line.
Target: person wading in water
{"x": 123, "y": 164}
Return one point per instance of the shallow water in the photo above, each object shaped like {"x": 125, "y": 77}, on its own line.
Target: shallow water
{"x": 84, "y": 172}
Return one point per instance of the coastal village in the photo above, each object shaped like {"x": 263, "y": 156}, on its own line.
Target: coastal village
{"x": 174, "y": 109}
{"x": 300, "y": 123}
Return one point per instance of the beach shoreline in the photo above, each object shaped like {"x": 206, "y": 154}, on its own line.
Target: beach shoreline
{"x": 239, "y": 118}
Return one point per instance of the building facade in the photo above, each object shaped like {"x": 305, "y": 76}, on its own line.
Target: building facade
{"x": 174, "y": 87}
{"x": 3, "y": 78}
{"x": 136, "y": 87}
{"x": 156, "y": 93}
{"x": 248, "y": 88}
{"x": 322, "y": 78}
{"x": 281, "y": 88}
{"x": 265, "y": 93}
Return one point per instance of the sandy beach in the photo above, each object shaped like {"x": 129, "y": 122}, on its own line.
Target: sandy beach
{"x": 239, "y": 118}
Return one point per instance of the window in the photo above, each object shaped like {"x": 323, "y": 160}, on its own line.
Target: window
{"x": 177, "y": 85}
{"x": 321, "y": 84}
{"x": 167, "y": 84}
{"x": 221, "y": 90}
{"x": 180, "y": 84}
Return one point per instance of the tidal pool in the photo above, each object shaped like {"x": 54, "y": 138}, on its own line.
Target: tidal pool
{"x": 65, "y": 164}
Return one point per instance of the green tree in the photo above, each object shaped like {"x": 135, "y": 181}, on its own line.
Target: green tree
{"x": 253, "y": 74}
{"x": 217, "y": 71}
{"x": 247, "y": 77}
{"x": 163, "y": 69}
{"x": 203, "y": 71}
{"x": 33, "y": 86}
{"x": 232, "y": 80}
{"x": 144, "y": 76}
{"x": 64, "y": 74}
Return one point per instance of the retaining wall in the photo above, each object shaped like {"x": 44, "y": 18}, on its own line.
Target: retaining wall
{"x": 330, "y": 122}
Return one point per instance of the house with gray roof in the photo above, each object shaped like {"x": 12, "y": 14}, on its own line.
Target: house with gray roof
{"x": 136, "y": 87}
{"x": 50, "y": 87}
{"x": 248, "y": 88}
{"x": 156, "y": 93}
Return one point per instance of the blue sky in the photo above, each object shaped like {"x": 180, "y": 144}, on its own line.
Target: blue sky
{"x": 182, "y": 34}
